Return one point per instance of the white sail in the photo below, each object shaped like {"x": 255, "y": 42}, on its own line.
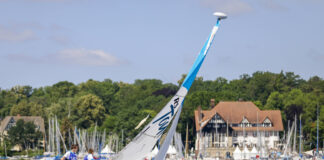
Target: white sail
{"x": 162, "y": 153}
{"x": 144, "y": 142}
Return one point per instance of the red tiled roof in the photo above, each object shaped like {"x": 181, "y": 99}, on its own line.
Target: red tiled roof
{"x": 233, "y": 112}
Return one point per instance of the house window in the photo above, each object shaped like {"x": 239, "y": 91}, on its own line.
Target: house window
{"x": 234, "y": 134}
{"x": 266, "y": 134}
{"x": 255, "y": 134}
{"x": 235, "y": 125}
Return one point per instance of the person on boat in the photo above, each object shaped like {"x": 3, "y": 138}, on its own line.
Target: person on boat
{"x": 71, "y": 155}
{"x": 90, "y": 155}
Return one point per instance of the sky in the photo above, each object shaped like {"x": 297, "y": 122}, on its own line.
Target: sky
{"x": 43, "y": 42}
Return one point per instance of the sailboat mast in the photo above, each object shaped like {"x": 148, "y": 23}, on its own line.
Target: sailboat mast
{"x": 122, "y": 140}
{"x": 227, "y": 134}
{"x": 317, "y": 154}
{"x": 259, "y": 138}
{"x": 49, "y": 136}
{"x": 186, "y": 147}
{"x": 288, "y": 139}
{"x": 57, "y": 137}
{"x": 288, "y": 135}
{"x": 295, "y": 134}
{"x": 243, "y": 132}
{"x": 217, "y": 141}
{"x": 199, "y": 133}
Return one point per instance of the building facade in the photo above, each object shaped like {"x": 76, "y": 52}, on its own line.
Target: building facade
{"x": 230, "y": 124}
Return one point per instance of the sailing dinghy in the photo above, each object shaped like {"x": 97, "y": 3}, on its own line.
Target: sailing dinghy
{"x": 145, "y": 141}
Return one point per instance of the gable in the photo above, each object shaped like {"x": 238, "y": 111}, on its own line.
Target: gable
{"x": 245, "y": 121}
{"x": 217, "y": 119}
{"x": 267, "y": 123}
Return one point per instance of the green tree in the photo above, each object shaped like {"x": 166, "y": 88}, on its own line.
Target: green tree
{"x": 104, "y": 90}
{"x": 275, "y": 101}
{"x": 21, "y": 108}
{"x": 25, "y": 108}
{"x": 88, "y": 111}
{"x": 24, "y": 134}
{"x": 59, "y": 90}
{"x": 62, "y": 108}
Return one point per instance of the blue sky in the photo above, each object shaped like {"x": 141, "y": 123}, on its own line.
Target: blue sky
{"x": 43, "y": 42}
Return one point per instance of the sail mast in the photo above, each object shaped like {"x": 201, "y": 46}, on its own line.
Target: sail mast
{"x": 186, "y": 147}
{"x": 300, "y": 135}
{"x": 259, "y": 138}
{"x": 295, "y": 134}
{"x": 317, "y": 154}
{"x": 49, "y": 136}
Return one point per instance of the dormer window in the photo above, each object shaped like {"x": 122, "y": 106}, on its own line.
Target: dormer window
{"x": 10, "y": 124}
{"x": 245, "y": 123}
{"x": 267, "y": 123}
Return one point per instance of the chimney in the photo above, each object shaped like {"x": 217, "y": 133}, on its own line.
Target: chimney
{"x": 212, "y": 103}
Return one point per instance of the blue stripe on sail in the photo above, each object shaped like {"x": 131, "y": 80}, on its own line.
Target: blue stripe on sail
{"x": 192, "y": 74}
{"x": 196, "y": 66}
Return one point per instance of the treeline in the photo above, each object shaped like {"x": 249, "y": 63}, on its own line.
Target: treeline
{"x": 117, "y": 106}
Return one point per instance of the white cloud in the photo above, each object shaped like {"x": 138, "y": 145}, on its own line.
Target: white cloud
{"x": 87, "y": 57}
{"x": 228, "y": 6}
{"x": 7, "y": 34}
{"x": 70, "y": 57}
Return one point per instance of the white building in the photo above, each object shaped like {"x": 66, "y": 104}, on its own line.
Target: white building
{"x": 231, "y": 124}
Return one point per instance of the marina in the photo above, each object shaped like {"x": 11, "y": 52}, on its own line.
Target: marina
{"x": 148, "y": 112}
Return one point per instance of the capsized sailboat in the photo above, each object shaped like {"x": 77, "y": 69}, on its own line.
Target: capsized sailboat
{"x": 144, "y": 142}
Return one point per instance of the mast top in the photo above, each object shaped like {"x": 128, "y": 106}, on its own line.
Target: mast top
{"x": 220, "y": 15}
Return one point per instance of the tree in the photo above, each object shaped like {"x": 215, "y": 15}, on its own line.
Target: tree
{"x": 24, "y": 134}
{"x": 260, "y": 86}
{"x": 275, "y": 101}
{"x": 22, "y": 91}
{"x": 26, "y": 108}
{"x": 21, "y": 108}
{"x": 62, "y": 108}
{"x": 88, "y": 111}
{"x": 59, "y": 90}
{"x": 104, "y": 90}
